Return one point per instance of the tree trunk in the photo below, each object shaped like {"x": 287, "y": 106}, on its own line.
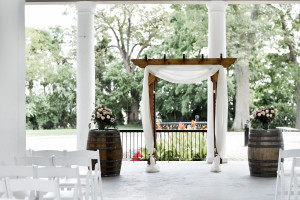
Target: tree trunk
{"x": 242, "y": 97}
{"x": 242, "y": 81}
{"x": 134, "y": 110}
{"x": 298, "y": 106}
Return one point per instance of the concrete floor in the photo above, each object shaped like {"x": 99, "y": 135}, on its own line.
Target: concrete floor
{"x": 187, "y": 181}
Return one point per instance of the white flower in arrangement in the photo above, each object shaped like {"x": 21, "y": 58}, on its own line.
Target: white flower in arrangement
{"x": 267, "y": 115}
{"x": 259, "y": 114}
{"x": 267, "y": 111}
{"x": 272, "y": 111}
{"x": 103, "y": 117}
{"x": 263, "y": 113}
{"x": 271, "y": 115}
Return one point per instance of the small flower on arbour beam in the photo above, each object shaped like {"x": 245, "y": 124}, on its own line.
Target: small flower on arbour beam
{"x": 103, "y": 117}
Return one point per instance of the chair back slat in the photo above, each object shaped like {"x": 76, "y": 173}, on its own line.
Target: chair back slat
{"x": 72, "y": 161}
{"x": 289, "y": 153}
{"x": 16, "y": 185}
{"x": 58, "y": 172}
{"x": 16, "y": 171}
{"x": 34, "y": 160}
{"x": 87, "y": 153}
{"x": 48, "y": 153}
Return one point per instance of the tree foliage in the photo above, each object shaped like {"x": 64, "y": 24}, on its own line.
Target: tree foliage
{"x": 264, "y": 38}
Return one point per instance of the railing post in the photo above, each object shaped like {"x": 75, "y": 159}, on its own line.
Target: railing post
{"x": 246, "y": 134}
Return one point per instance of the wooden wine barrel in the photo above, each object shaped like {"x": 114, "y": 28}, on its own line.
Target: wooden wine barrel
{"x": 263, "y": 152}
{"x": 109, "y": 144}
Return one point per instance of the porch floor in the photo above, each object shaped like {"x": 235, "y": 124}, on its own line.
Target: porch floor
{"x": 188, "y": 181}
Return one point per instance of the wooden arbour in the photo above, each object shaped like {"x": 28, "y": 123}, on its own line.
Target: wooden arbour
{"x": 142, "y": 63}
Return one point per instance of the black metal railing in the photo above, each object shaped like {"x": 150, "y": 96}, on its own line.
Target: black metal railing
{"x": 171, "y": 145}
{"x": 176, "y": 125}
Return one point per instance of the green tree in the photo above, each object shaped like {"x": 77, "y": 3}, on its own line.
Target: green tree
{"x": 50, "y": 79}
{"x": 133, "y": 30}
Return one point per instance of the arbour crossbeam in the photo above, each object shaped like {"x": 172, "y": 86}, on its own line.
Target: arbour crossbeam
{"x": 142, "y": 63}
{"x": 225, "y": 62}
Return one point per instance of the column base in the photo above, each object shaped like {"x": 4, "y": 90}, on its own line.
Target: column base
{"x": 210, "y": 160}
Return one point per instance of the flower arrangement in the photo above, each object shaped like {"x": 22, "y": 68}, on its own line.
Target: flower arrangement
{"x": 264, "y": 115}
{"x": 103, "y": 117}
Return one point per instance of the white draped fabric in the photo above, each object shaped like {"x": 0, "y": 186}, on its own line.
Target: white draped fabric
{"x": 186, "y": 74}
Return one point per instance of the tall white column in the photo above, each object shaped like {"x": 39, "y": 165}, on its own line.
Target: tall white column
{"x": 216, "y": 46}
{"x": 12, "y": 80}
{"x": 85, "y": 69}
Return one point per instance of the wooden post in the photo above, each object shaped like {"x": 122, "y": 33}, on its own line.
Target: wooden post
{"x": 214, "y": 79}
{"x": 152, "y": 89}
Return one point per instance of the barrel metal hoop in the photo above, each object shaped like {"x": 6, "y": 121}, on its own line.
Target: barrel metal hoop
{"x": 92, "y": 142}
{"x": 252, "y": 140}
{"x": 104, "y": 136}
{"x": 264, "y": 175}
{"x": 106, "y": 148}
{"x": 262, "y": 135}
{"x": 109, "y": 171}
{"x": 266, "y": 146}
{"x": 112, "y": 166}
{"x": 263, "y": 161}
{"x": 262, "y": 167}
{"x": 109, "y": 161}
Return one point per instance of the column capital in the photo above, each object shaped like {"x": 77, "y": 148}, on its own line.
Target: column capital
{"x": 216, "y": 6}
{"x": 85, "y": 6}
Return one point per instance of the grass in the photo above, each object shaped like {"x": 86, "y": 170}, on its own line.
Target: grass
{"x": 62, "y": 132}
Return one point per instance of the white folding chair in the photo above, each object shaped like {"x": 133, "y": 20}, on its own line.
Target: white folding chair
{"x": 294, "y": 179}
{"x": 283, "y": 154}
{"x": 48, "y": 153}
{"x": 32, "y": 185}
{"x": 63, "y": 175}
{"x": 81, "y": 162}
{"x": 34, "y": 160}
{"x": 96, "y": 174}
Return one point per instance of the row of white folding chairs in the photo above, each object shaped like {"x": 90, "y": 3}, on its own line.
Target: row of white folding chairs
{"x": 69, "y": 158}
{"x": 292, "y": 188}
{"x": 34, "y": 182}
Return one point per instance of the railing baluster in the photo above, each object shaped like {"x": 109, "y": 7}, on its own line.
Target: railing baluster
{"x": 164, "y": 146}
{"x": 180, "y": 149}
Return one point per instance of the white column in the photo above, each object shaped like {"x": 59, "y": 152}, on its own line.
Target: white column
{"x": 216, "y": 46}
{"x": 85, "y": 69}
{"x": 12, "y": 80}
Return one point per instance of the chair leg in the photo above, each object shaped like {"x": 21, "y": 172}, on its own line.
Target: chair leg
{"x": 277, "y": 183}
{"x": 282, "y": 183}
{"x": 291, "y": 182}
{"x": 295, "y": 186}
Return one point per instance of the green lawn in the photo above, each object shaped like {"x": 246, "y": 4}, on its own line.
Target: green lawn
{"x": 58, "y": 132}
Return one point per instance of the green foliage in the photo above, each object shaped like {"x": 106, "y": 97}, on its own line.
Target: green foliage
{"x": 50, "y": 79}
{"x": 183, "y": 146}
{"x": 263, "y": 44}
